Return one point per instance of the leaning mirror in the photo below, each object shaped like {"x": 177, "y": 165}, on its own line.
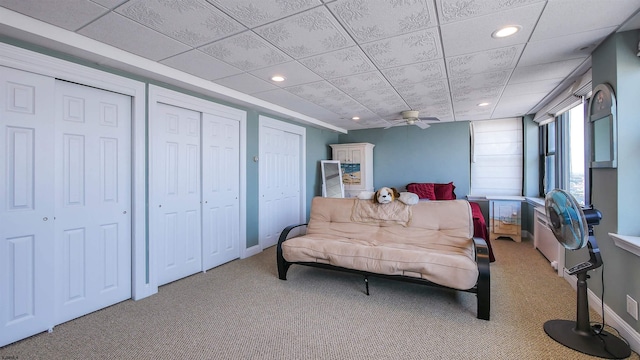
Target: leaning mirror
{"x": 602, "y": 127}
{"x": 332, "y": 185}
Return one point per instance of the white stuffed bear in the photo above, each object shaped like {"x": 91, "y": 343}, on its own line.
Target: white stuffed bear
{"x": 386, "y": 195}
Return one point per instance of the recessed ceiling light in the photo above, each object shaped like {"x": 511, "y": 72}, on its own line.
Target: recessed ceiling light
{"x": 506, "y": 31}
{"x": 356, "y": 118}
{"x": 277, "y": 78}
{"x": 483, "y": 104}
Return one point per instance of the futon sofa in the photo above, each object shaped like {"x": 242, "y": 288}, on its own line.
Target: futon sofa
{"x": 428, "y": 243}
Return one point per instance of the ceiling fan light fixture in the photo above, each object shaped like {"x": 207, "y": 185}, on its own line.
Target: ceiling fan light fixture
{"x": 506, "y": 31}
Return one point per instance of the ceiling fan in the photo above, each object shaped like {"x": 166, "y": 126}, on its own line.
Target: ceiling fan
{"x": 411, "y": 117}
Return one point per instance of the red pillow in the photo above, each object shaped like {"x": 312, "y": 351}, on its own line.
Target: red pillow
{"x": 444, "y": 191}
{"x": 423, "y": 190}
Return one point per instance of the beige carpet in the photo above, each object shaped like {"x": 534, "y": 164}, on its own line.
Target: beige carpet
{"x": 241, "y": 310}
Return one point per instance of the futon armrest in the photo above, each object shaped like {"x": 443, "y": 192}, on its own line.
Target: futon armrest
{"x": 484, "y": 279}
{"x": 283, "y": 265}
{"x": 285, "y": 232}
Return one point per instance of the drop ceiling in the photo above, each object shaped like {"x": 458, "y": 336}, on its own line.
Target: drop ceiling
{"x": 345, "y": 58}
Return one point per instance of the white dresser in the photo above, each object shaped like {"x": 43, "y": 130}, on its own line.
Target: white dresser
{"x": 356, "y": 161}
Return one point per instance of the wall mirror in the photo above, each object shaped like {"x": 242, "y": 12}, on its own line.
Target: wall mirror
{"x": 332, "y": 185}
{"x": 602, "y": 127}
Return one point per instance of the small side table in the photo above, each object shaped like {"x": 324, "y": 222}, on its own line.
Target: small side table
{"x": 505, "y": 217}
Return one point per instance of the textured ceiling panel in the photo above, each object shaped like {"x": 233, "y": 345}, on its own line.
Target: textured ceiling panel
{"x": 310, "y": 33}
{"x": 405, "y": 49}
{"x": 373, "y": 20}
{"x": 202, "y": 65}
{"x": 253, "y": 13}
{"x": 344, "y": 58}
{"x": 76, "y": 14}
{"x": 193, "y": 22}
{"x": 125, "y": 34}
{"x": 246, "y": 51}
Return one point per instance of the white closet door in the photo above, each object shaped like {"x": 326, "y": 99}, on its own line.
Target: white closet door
{"x": 280, "y": 175}
{"x": 220, "y": 190}
{"x": 26, "y": 204}
{"x": 93, "y": 199}
{"x": 175, "y": 215}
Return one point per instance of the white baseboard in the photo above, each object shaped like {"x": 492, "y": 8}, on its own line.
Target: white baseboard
{"x": 611, "y": 318}
{"x": 254, "y": 250}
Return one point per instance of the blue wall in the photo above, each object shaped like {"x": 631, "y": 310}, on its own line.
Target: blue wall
{"x": 406, "y": 154}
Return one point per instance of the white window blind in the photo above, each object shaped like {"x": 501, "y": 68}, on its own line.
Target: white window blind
{"x": 496, "y": 157}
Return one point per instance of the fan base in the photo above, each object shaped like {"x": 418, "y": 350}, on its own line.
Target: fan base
{"x": 604, "y": 345}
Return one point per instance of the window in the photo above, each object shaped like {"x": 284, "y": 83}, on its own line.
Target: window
{"x": 497, "y": 157}
{"x": 563, "y": 154}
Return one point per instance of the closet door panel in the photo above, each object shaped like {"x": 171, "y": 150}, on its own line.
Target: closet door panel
{"x": 26, "y": 204}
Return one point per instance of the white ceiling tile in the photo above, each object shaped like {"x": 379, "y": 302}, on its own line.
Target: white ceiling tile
{"x": 479, "y": 81}
{"x": 430, "y": 92}
{"x": 360, "y": 82}
{"x": 200, "y": 64}
{"x": 373, "y": 57}
{"x": 484, "y": 61}
{"x": 291, "y": 101}
{"x": 70, "y": 14}
{"x": 378, "y": 19}
{"x": 293, "y": 72}
{"x": 246, "y": 83}
{"x": 563, "y": 17}
{"x": 128, "y": 35}
{"x": 478, "y": 30}
{"x": 111, "y": 4}
{"x": 553, "y": 70}
{"x": 385, "y": 102}
{"x": 339, "y": 63}
{"x": 535, "y": 87}
{"x": 405, "y": 49}
{"x": 253, "y": 13}
{"x": 456, "y": 10}
{"x": 315, "y": 92}
{"x": 246, "y": 51}
{"x": 416, "y": 73}
{"x": 193, "y": 22}
{"x": 306, "y": 34}
{"x": 566, "y": 47}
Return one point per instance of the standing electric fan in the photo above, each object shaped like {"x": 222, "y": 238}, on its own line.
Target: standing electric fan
{"x": 573, "y": 228}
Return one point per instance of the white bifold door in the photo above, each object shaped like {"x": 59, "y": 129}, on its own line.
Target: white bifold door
{"x": 65, "y": 202}
{"x": 281, "y": 177}
{"x": 194, "y": 194}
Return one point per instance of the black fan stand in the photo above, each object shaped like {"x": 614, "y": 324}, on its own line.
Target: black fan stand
{"x": 579, "y": 335}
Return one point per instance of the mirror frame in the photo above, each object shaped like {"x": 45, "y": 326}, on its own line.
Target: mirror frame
{"x": 603, "y": 105}
{"x": 324, "y": 176}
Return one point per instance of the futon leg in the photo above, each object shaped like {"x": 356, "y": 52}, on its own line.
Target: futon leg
{"x": 366, "y": 284}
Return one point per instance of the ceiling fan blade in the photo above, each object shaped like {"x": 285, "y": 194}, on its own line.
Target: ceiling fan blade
{"x": 429, "y": 118}
{"x": 421, "y": 125}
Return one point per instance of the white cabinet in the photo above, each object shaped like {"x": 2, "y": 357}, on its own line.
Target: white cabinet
{"x": 356, "y": 161}
{"x": 505, "y": 217}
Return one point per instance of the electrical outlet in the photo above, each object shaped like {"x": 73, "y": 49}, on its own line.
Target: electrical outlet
{"x": 632, "y": 307}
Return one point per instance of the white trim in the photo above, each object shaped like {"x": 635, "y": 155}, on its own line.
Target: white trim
{"x": 159, "y": 94}
{"x": 611, "y": 317}
{"x": 626, "y": 242}
{"x": 38, "y": 32}
{"x": 17, "y": 58}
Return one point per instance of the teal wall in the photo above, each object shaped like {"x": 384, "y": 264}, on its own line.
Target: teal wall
{"x": 405, "y": 154}
{"x": 615, "y": 191}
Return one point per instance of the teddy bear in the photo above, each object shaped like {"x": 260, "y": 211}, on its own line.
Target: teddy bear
{"x": 385, "y": 195}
